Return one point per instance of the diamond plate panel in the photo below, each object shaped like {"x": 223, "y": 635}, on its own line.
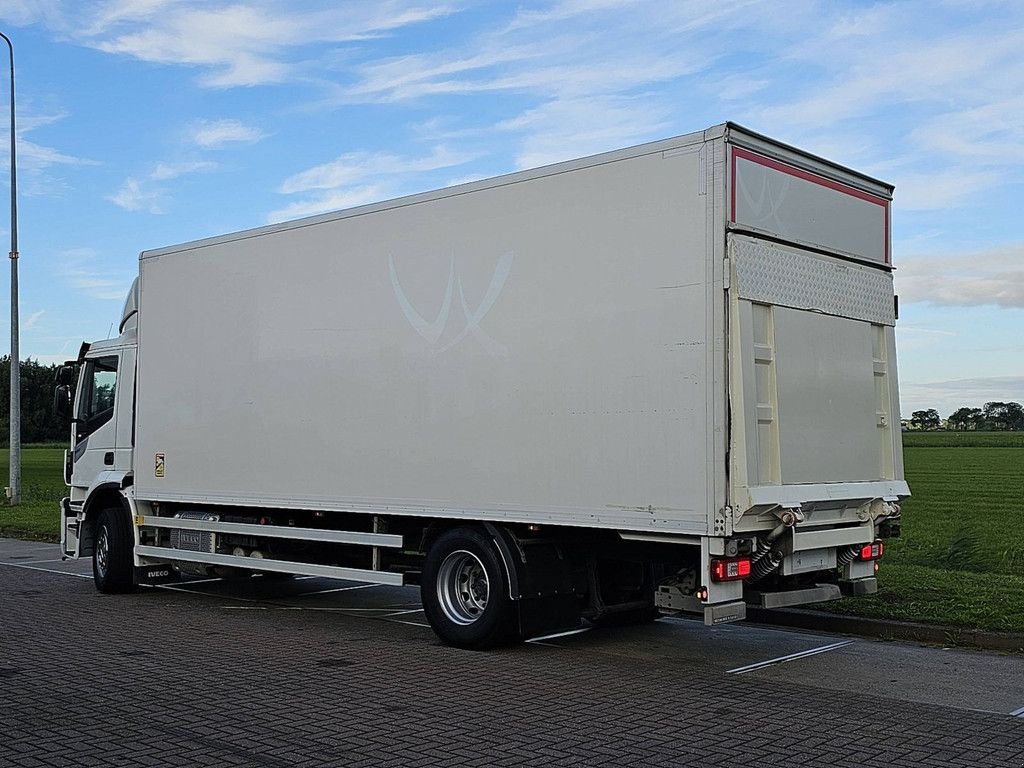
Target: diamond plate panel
{"x": 775, "y": 274}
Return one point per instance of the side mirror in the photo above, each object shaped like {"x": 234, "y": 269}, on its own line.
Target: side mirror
{"x": 66, "y": 374}
{"x": 62, "y": 401}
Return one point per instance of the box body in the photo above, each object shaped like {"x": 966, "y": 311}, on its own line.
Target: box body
{"x": 560, "y": 346}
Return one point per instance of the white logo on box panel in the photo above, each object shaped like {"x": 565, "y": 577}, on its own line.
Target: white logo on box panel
{"x": 766, "y": 205}
{"x": 433, "y": 331}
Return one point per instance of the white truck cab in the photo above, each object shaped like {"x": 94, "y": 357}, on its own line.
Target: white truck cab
{"x": 98, "y": 466}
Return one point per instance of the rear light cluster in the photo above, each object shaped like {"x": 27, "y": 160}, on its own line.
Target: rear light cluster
{"x": 731, "y": 569}
{"x": 872, "y": 551}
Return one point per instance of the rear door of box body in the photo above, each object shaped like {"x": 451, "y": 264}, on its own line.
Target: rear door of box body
{"x": 813, "y": 389}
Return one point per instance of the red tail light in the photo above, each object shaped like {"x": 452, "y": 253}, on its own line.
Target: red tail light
{"x": 872, "y": 551}
{"x": 731, "y": 569}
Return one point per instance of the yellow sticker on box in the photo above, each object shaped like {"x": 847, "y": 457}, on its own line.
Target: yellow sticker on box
{"x": 158, "y": 469}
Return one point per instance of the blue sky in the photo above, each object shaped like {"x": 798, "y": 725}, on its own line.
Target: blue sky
{"x": 150, "y": 122}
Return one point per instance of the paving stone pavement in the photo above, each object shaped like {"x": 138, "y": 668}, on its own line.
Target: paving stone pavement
{"x": 166, "y": 678}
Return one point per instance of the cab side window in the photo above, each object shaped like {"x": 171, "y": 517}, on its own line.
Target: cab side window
{"x": 96, "y": 406}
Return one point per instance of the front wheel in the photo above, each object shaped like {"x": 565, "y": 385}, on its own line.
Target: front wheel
{"x": 112, "y": 565}
{"x": 465, "y": 591}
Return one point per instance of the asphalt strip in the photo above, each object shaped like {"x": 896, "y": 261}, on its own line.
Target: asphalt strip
{"x": 791, "y": 618}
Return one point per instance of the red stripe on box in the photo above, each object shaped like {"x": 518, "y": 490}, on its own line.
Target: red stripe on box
{"x": 814, "y": 178}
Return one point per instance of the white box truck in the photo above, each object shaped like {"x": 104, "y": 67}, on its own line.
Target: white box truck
{"x": 657, "y": 378}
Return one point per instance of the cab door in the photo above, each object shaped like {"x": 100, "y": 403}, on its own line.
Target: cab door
{"x": 95, "y": 423}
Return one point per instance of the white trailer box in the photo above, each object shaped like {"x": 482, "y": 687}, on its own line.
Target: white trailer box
{"x": 675, "y": 342}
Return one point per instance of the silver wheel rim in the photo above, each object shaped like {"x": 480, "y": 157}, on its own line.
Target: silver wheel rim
{"x": 462, "y": 587}
{"x": 102, "y": 551}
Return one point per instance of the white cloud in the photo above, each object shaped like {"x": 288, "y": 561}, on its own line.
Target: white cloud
{"x": 940, "y": 190}
{"x": 609, "y": 48}
{"x": 132, "y": 196}
{"x": 81, "y": 269}
{"x": 332, "y": 201}
{"x": 991, "y": 132}
{"x": 993, "y": 277}
{"x": 947, "y": 396}
{"x": 944, "y": 110}
{"x": 910, "y": 338}
{"x": 24, "y": 12}
{"x": 567, "y": 128}
{"x": 32, "y": 320}
{"x": 585, "y": 75}
{"x": 141, "y": 194}
{"x": 353, "y": 167}
{"x": 165, "y": 171}
{"x": 358, "y": 178}
{"x": 215, "y": 134}
{"x": 36, "y": 161}
{"x": 233, "y": 44}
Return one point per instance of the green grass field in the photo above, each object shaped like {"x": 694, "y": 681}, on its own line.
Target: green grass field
{"x": 960, "y": 560}
{"x": 42, "y": 486}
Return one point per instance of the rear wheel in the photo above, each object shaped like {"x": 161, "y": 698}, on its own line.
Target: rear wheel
{"x": 112, "y": 566}
{"x": 465, "y": 591}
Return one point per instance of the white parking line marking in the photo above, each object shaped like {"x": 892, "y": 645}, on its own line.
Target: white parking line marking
{"x": 252, "y": 608}
{"x": 300, "y": 608}
{"x": 343, "y": 611}
{"x": 552, "y": 636}
{"x": 37, "y": 562}
{"x": 337, "y": 589}
{"x": 1017, "y": 712}
{"x": 174, "y": 588}
{"x": 48, "y": 570}
{"x": 790, "y": 657}
{"x": 345, "y": 608}
{"x": 399, "y": 613}
{"x": 742, "y": 627}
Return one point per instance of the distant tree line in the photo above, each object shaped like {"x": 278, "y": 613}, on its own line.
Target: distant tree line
{"x": 38, "y": 423}
{"x": 996, "y": 416}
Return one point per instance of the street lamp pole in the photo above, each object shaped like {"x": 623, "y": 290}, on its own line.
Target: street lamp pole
{"x": 15, "y": 487}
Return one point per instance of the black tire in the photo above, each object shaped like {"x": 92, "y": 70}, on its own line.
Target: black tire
{"x": 464, "y": 590}
{"x": 112, "y": 563}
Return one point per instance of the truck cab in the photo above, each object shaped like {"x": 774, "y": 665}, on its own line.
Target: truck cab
{"x": 99, "y": 464}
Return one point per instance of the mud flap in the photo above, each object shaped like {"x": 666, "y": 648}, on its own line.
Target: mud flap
{"x": 542, "y": 585}
{"x": 546, "y": 615}
{"x": 151, "y": 575}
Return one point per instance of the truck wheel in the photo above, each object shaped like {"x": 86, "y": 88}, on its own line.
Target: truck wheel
{"x": 465, "y": 591}
{"x": 112, "y": 552}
